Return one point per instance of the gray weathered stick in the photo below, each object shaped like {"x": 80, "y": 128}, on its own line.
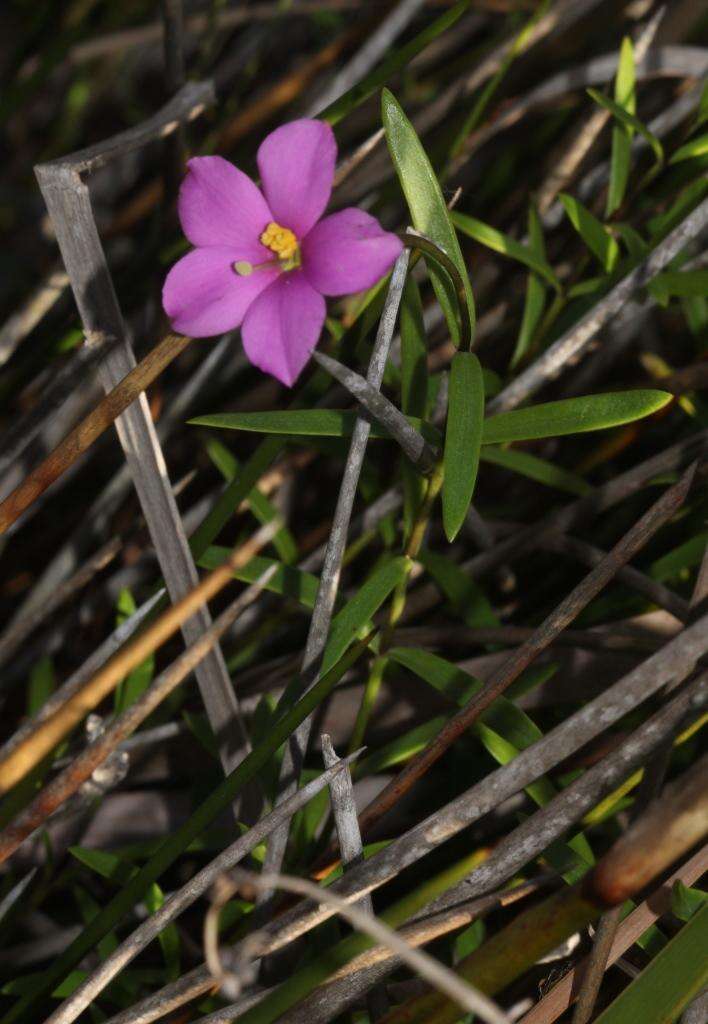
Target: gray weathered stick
{"x": 69, "y": 204}
{"x": 334, "y": 551}
{"x": 179, "y": 901}
{"x": 351, "y": 847}
{"x": 573, "y": 344}
{"x": 673, "y": 663}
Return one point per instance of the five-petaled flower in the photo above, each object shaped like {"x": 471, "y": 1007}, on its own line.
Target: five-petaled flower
{"x": 265, "y": 260}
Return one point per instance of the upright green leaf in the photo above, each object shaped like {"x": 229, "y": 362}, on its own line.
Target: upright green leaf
{"x": 136, "y": 682}
{"x": 595, "y": 235}
{"x": 668, "y": 984}
{"x": 41, "y": 685}
{"x": 535, "y": 298}
{"x": 463, "y": 437}
{"x": 629, "y": 121}
{"x": 427, "y": 207}
{"x": 625, "y": 97}
{"x": 573, "y": 416}
{"x": 262, "y": 508}
{"x": 414, "y": 352}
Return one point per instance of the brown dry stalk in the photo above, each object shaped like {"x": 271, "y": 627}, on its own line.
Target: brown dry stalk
{"x": 659, "y": 513}
{"x": 67, "y": 782}
{"x": 48, "y": 733}
{"x": 658, "y": 838}
{"x": 649, "y": 847}
{"x": 90, "y": 428}
{"x": 634, "y": 925}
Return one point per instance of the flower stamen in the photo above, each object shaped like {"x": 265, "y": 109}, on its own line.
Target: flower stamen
{"x": 282, "y": 242}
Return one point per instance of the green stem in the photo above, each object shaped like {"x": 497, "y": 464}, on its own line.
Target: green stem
{"x": 396, "y": 609}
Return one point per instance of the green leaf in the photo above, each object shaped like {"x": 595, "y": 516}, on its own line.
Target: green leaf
{"x": 287, "y": 580}
{"x": 306, "y": 422}
{"x": 540, "y": 470}
{"x": 463, "y": 437}
{"x": 686, "y": 284}
{"x": 41, "y": 685}
{"x": 504, "y": 244}
{"x": 686, "y": 901}
{"x": 635, "y": 244}
{"x": 595, "y": 235}
{"x": 535, "y": 298}
{"x": 550, "y": 419}
{"x": 136, "y": 682}
{"x": 168, "y": 936}
{"x": 427, "y": 207}
{"x": 620, "y": 159}
{"x": 400, "y": 58}
{"x": 357, "y": 613}
{"x": 414, "y": 352}
{"x": 109, "y": 866}
{"x": 669, "y": 983}
{"x": 462, "y": 591}
{"x": 629, "y": 121}
{"x": 262, "y": 508}
{"x": 679, "y": 560}
{"x": 573, "y": 416}
{"x": 504, "y": 729}
{"x": 696, "y": 147}
{"x": 401, "y": 749}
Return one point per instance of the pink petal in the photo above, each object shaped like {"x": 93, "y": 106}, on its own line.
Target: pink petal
{"x": 203, "y": 295}
{"x": 348, "y": 251}
{"x": 282, "y": 327}
{"x": 220, "y": 205}
{"x": 296, "y": 164}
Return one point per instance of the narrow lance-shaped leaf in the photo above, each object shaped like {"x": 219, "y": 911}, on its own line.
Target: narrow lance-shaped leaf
{"x": 686, "y": 284}
{"x": 463, "y": 437}
{"x": 414, "y": 387}
{"x": 357, "y": 613}
{"x": 485, "y": 234}
{"x": 427, "y": 207}
{"x": 535, "y": 298}
{"x": 622, "y": 134}
{"x": 534, "y": 468}
{"x": 573, "y": 415}
{"x": 630, "y": 121}
{"x": 550, "y": 419}
{"x": 669, "y": 982}
{"x": 696, "y": 147}
{"x": 595, "y": 235}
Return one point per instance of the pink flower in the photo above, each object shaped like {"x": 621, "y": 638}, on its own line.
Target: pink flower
{"x": 264, "y": 260}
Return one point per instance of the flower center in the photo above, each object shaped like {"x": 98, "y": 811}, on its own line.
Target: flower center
{"x": 279, "y": 240}
{"x": 282, "y": 242}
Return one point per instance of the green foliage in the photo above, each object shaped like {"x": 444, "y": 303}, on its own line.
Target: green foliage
{"x": 669, "y": 982}
{"x": 463, "y": 439}
{"x": 622, "y": 132}
{"x": 595, "y": 235}
{"x": 427, "y": 208}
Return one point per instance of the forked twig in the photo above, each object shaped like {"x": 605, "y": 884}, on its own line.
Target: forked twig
{"x": 440, "y": 976}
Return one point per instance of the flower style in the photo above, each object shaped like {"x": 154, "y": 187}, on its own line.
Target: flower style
{"x": 265, "y": 260}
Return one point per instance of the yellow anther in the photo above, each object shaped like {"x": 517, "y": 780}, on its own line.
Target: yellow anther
{"x": 281, "y": 241}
